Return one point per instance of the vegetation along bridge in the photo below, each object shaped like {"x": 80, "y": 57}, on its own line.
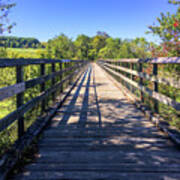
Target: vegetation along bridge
{"x": 82, "y": 120}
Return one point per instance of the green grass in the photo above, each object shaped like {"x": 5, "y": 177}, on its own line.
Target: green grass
{"x": 6, "y": 107}
{"x": 25, "y": 53}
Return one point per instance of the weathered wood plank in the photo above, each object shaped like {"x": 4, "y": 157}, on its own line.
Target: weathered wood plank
{"x": 116, "y": 139}
{"x": 118, "y": 167}
{"x": 25, "y": 62}
{"x": 160, "y": 60}
{"x": 167, "y": 81}
{"x": 164, "y": 60}
{"x": 9, "y": 91}
{"x": 105, "y": 175}
{"x": 133, "y": 60}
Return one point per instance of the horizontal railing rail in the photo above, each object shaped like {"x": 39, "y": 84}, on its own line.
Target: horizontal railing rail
{"x": 154, "y": 78}
{"x": 24, "y": 62}
{"x": 67, "y": 69}
{"x": 10, "y": 91}
{"x": 160, "y": 60}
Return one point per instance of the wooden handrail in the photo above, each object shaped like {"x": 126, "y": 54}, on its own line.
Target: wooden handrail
{"x": 24, "y": 62}
{"x": 115, "y": 65}
{"x": 154, "y": 78}
{"x": 18, "y": 89}
{"x": 160, "y": 60}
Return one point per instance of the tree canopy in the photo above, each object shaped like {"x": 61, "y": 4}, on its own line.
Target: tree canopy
{"x": 168, "y": 29}
{"x": 99, "y": 46}
{"x": 19, "y": 42}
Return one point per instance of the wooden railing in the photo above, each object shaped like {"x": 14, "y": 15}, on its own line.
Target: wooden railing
{"x": 68, "y": 69}
{"x": 132, "y": 75}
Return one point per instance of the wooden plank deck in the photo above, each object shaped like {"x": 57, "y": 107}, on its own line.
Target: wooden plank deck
{"x": 99, "y": 134}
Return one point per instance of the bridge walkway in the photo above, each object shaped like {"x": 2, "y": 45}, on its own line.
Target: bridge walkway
{"x": 99, "y": 134}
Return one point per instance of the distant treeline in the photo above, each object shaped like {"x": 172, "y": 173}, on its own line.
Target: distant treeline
{"x": 19, "y": 42}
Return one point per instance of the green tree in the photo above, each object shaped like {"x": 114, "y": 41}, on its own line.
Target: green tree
{"x": 19, "y": 42}
{"x": 111, "y": 49}
{"x": 125, "y": 50}
{"x": 98, "y": 42}
{"x": 61, "y": 47}
{"x": 82, "y": 46}
{"x": 168, "y": 29}
{"x": 140, "y": 48}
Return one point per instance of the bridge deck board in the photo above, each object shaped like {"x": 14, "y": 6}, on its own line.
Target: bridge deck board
{"x": 99, "y": 134}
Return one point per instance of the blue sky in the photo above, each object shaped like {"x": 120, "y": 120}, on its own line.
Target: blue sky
{"x": 44, "y": 19}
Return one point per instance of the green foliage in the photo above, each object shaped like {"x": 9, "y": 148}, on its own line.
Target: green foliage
{"x": 25, "y": 53}
{"x": 7, "y": 138}
{"x": 125, "y": 50}
{"x": 96, "y": 47}
{"x": 168, "y": 29}
{"x": 169, "y": 25}
{"x": 82, "y": 47}
{"x": 60, "y": 47}
{"x": 98, "y": 42}
{"x": 111, "y": 49}
{"x": 19, "y": 42}
{"x": 3, "y": 52}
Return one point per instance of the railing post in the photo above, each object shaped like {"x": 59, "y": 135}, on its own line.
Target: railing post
{"x": 61, "y": 77}
{"x": 67, "y": 73}
{"x": 126, "y": 84}
{"x": 132, "y": 76}
{"x": 71, "y": 66}
{"x": 120, "y": 64}
{"x": 20, "y": 100}
{"x": 155, "y": 73}
{"x": 43, "y": 87}
{"x": 53, "y": 81}
{"x": 141, "y": 81}
{"x": 117, "y": 66}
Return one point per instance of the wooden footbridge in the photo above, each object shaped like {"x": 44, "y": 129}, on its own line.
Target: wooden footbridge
{"x": 96, "y": 128}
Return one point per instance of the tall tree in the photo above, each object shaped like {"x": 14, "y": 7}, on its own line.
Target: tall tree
{"x": 111, "y": 49}
{"x": 60, "y": 47}
{"x": 168, "y": 29}
{"x": 140, "y": 48}
{"x": 98, "y": 42}
{"x": 82, "y": 46}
